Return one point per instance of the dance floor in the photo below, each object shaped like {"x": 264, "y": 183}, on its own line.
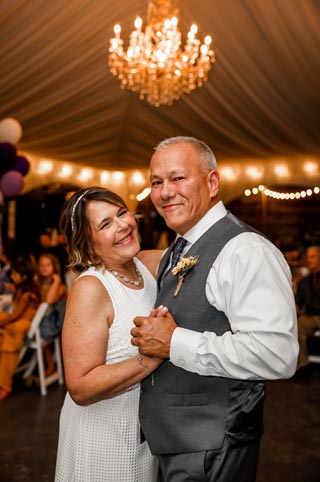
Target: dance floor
{"x": 290, "y": 450}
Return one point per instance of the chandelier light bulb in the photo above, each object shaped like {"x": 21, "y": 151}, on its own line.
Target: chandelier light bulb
{"x": 117, "y": 29}
{"x": 174, "y": 21}
{"x": 138, "y": 22}
{"x": 194, "y": 28}
{"x": 204, "y": 49}
{"x": 156, "y": 64}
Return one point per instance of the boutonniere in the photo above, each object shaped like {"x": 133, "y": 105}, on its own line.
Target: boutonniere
{"x": 182, "y": 268}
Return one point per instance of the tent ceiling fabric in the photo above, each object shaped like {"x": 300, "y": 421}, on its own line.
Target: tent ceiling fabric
{"x": 262, "y": 98}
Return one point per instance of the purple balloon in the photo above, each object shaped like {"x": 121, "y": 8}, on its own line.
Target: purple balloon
{"x": 11, "y": 183}
{"x": 8, "y": 154}
{"x": 21, "y": 164}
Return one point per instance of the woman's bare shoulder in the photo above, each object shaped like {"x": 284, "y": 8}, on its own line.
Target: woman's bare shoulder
{"x": 89, "y": 299}
{"x": 88, "y": 284}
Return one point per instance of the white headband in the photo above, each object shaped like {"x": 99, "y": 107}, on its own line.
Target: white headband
{"x": 74, "y": 208}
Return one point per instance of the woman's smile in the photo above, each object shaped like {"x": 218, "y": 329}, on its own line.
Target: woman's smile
{"x": 127, "y": 239}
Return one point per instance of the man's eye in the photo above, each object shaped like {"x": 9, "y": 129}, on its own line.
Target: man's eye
{"x": 155, "y": 183}
{"x": 178, "y": 178}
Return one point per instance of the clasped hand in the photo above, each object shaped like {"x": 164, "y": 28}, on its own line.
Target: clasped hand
{"x": 152, "y": 334}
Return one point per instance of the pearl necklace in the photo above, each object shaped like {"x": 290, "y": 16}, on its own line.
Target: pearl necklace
{"x": 137, "y": 282}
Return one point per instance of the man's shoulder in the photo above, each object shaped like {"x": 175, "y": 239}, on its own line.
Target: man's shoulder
{"x": 252, "y": 243}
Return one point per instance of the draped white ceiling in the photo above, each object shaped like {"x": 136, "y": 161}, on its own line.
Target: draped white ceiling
{"x": 262, "y": 99}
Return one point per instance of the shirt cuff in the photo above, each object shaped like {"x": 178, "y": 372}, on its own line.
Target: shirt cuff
{"x": 183, "y": 348}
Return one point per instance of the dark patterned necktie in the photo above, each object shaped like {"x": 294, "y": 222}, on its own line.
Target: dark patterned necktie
{"x": 177, "y": 250}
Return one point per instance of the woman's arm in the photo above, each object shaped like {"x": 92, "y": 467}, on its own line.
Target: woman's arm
{"x": 56, "y": 291}
{"x": 85, "y": 334}
{"x": 18, "y": 310}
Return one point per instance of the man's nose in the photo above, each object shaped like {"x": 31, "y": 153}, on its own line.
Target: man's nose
{"x": 167, "y": 190}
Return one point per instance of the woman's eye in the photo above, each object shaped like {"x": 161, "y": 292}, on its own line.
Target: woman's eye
{"x": 105, "y": 224}
{"x": 123, "y": 212}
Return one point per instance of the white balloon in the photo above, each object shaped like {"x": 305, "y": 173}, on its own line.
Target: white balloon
{"x": 10, "y": 130}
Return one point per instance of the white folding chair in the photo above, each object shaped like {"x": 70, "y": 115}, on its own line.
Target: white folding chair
{"x": 36, "y": 343}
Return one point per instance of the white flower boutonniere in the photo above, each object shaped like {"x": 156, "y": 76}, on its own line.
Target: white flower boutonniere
{"x": 182, "y": 268}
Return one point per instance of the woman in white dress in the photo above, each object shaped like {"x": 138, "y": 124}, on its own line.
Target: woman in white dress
{"x": 99, "y": 436}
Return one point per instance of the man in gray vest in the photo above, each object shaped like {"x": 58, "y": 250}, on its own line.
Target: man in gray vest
{"x": 231, "y": 324}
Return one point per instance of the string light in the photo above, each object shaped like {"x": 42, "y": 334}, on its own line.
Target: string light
{"x": 254, "y": 172}
{"x": 129, "y": 182}
{"x": 118, "y": 176}
{"x": 45, "y": 167}
{"x": 282, "y": 195}
{"x": 281, "y": 170}
{"x": 104, "y": 177}
{"x": 228, "y": 173}
{"x": 310, "y": 167}
{"x": 85, "y": 175}
{"x": 138, "y": 179}
{"x": 66, "y": 171}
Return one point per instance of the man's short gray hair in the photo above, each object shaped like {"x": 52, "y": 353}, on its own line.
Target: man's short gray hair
{"x": 205, "y": 153}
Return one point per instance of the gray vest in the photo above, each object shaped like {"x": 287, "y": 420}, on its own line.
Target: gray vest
{"x": 181, "y": 411}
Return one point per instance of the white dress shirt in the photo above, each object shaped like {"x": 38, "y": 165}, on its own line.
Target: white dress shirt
{"x": 250, "y": 281}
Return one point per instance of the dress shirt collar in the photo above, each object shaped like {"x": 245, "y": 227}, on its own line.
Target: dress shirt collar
{"x": 217, "y": 212}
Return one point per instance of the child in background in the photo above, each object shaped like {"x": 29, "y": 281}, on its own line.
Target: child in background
{"x": 52, "y": 290}
{"x": 14, "y": 325}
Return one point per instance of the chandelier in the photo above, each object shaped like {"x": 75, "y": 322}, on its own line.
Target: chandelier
{"x": 156, "y": 65}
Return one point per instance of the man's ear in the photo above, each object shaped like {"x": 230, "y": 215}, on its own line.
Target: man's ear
{"x": 214, "y": 183}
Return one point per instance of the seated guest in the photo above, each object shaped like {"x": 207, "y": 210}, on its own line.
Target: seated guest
{"x": 14, "y": 326}
{"x": 52, "y": 242}
{"x": 308, "y": 306}
{"x": 48, "y": 277}
{"x": 52, "y": 290}
{"x": 6, "y": 283}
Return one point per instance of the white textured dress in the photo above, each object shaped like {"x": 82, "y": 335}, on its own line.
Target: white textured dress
{"x": 101, "y": 442}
